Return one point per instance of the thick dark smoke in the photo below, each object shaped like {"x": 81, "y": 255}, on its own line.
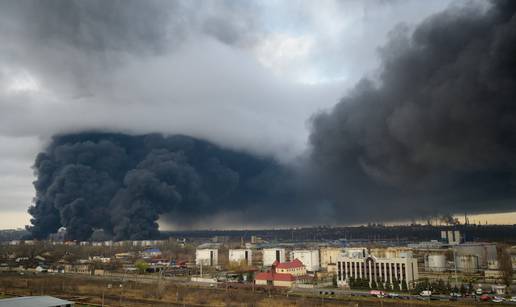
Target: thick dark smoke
{"x": 437, "y": 131}
{"x": 435, "y": 134}
{"x": 122, "y": 184}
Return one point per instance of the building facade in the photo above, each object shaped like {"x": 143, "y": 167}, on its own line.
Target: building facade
{"x": 310, "y": 258}
{"x": 275, "y": 279}
{"x": 270, "y": 255}
{"x": 379, "y": 270}
{"x": 329, "y": 256}
{"x": 241, "y": 255}
{"x": 207, "y": 257}
{"x": 294, "y": 267}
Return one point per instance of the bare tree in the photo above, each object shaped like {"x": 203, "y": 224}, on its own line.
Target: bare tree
{"x": 505, "y": 264}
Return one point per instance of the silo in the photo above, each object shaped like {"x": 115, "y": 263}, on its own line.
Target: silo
{"x": 436, "y": 263}
{"x": 467, "y": 263}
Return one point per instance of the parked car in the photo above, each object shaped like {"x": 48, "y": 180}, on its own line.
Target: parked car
{"x": 377, "y": 293}
{"x": 498, "y": 299}
{"x": 485, "y": 297}
{"x": 426, "y": 293}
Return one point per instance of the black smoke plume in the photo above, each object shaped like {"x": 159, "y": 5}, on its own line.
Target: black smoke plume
{"x": 436, "y": 132}
{"x": 122, "y": 184}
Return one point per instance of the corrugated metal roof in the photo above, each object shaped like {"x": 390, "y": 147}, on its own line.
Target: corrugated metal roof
{"x": 34, "y": 301}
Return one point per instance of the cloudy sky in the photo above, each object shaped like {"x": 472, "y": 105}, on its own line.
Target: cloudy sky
{"x": 243, "y": 74}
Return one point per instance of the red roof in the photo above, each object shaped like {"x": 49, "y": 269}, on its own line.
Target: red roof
{"x": 274, "y": 276}
{"x": 296, "y": 263}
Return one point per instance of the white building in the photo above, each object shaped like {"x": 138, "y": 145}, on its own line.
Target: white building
{"x": 207, "y": 256}
{"x": 381, "y": 270}
{"x": 273, "y": 254}
{"x": 310, "y": 258}
{"x": 241, "y": 255}
{"x": 329, "y": 255}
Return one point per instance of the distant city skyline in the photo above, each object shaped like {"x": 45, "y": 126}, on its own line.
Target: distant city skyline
{"x": 12, "y": 220}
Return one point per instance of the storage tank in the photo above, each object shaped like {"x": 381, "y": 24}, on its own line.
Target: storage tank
{"x": 484, "y": 251}
{"x": 436, "y": 263}
{"x": 467, "y": 263}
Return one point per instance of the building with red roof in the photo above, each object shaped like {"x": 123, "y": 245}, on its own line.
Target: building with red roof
{"x": 294, "y": 267}
{"x": 275, "y": 279}
{"x": 282, "y": 274}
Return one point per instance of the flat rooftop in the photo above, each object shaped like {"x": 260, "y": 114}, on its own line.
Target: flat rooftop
{"x": 34, "y": 301}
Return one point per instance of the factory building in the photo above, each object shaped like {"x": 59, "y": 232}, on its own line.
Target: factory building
{"x": 241, "y": 256}
{"x": 270, "y": 255}
{"x": 310, "y": 258}
{"x": 207, "y": 256}
{"x": 329, "y": 256}
{"x": 380, "y": 270}
{"x": 485, "y": 252}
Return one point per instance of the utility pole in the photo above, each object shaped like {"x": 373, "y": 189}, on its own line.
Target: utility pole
{"x": 455, "y": 265}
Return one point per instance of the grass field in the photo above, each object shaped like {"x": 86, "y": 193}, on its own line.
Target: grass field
{"x": 86, "y": 291}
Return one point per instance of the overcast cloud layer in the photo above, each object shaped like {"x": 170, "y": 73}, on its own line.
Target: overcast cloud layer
{"x": 246, "y": 75}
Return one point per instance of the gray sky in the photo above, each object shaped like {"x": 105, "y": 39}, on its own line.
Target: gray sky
{"x": 246, "y": 75}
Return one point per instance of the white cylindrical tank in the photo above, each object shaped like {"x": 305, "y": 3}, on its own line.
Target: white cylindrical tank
{"x": 436, "y": 263}
{"x": 467, "y": 263}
